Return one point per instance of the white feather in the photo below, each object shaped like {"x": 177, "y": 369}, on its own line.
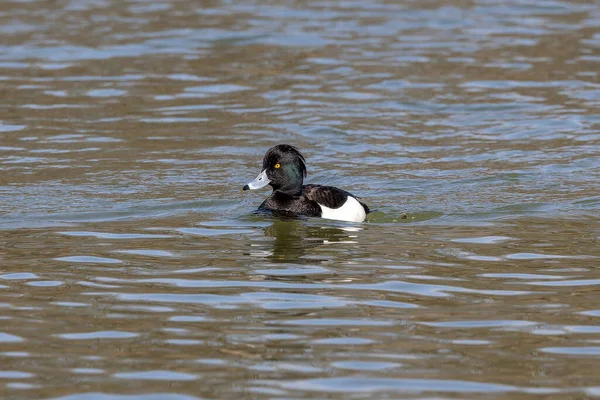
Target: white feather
{"x": 351, "y": 211}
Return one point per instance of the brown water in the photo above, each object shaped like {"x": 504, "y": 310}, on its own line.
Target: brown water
{"x": 131, "y": 263}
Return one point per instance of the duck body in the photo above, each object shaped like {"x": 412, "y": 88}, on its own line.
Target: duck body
{"x": 284, "y": 169}
{"x": 318, "y": 201}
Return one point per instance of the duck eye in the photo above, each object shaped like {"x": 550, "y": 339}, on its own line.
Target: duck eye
{"x": 277, "y": 165}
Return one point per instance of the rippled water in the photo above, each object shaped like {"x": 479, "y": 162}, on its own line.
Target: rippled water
{"x": 132, "y": 267}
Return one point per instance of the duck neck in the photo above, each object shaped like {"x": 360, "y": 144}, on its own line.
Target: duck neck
{"x": 290, "y": 189}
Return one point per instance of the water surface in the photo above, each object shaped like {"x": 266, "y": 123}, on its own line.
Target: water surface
{"x": 132, "y": 267}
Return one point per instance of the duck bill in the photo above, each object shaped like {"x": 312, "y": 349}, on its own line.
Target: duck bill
{"x": 260, "y": 182}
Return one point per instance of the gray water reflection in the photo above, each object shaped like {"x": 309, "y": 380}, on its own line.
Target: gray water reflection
{"x": 132, "y": 266}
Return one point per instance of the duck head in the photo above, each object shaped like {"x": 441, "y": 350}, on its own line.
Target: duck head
{"x": 283, "y": 168}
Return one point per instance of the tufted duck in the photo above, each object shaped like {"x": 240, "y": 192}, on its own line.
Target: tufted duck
{"x": 284, "y": 169}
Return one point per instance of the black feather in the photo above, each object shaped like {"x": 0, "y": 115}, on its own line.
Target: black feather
{"x": 329, "y": 196}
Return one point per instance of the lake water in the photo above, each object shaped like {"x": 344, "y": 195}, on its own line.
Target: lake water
{"x": 132, "y": 266}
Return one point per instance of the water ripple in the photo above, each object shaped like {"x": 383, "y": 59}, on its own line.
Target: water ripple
{"x": 133, "y": 266}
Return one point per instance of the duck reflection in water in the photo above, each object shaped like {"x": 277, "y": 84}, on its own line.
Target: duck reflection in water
{"x": 294, "y": 236}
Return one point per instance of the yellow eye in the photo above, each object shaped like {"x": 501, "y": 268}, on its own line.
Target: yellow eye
{"x": 277, "y": 165}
